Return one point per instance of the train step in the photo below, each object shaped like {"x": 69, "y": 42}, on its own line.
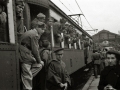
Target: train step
{"x": 92, "y": 83}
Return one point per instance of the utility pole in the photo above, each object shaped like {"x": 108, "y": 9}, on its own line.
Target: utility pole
{"x": 76, "y": 18}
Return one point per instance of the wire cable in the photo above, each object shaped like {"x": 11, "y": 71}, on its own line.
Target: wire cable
{"x": 78, "y": 6}
{"x": 82, "y": 13}
{"x": 69, "y": 5}
{"x": 66, "y": 7}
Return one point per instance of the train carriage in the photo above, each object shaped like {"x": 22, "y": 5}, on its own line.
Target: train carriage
{"x": 74, "y": 55}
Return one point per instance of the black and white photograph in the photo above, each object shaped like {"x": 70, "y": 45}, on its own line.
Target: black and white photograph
{"x": 59, "y": 44}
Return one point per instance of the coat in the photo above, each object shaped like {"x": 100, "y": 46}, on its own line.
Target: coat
{"x": 57, "y": 74}
{"x": 110, "y": 75}
{"x": 40, "y": 79}
{"x": 96, "y": 58}
{"x": 29, "y": 40}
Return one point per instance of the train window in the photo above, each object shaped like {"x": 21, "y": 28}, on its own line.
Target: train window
{"x": 34, "y": 12}
{"x": 4, "y": 37}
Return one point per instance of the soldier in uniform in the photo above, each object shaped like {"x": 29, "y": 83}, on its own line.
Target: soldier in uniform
{"x": 96, "y": 58}
{"x": 19, "y": 17}
{"x": 40, "y": 18}
{"x": 57, "y": 78}
{"x": 58, "y": 29}
{"x": 45, "y": 53}
{"x": 30, "y": 59}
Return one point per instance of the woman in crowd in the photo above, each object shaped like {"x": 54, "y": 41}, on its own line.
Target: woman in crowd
{"x": 110, "y": 76}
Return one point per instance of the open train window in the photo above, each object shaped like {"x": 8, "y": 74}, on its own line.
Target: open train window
{"x": 30, "y": 13}
{"x": 35, "y": 9}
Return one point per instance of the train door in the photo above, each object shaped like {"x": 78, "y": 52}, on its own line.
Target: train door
{"x": 9, "y": 64}
{"x": 31, "y": 10}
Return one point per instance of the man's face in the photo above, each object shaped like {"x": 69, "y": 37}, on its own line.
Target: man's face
{"x": 41, "y": 19}
{"x": 111, "y": 59}
{"x": 59, "y": 55}
{"x": 19, "y": 8}
{"x": 50, "y": 22}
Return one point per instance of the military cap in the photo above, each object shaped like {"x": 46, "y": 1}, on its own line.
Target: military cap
{"x": 41, "y": 15}
{"x": 58, "y": 49}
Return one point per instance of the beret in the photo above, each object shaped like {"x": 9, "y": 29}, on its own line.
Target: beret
{"x": 117, "y": 54}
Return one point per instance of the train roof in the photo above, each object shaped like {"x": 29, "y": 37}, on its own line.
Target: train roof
{"x": 53, "y": 6}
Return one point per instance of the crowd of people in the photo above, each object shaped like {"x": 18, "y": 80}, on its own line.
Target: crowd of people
{"x": 106, "y": 64}
{"x": 39, "y": 71}
{"x": 38, "y": 68}
{"x": 48, "y": 73}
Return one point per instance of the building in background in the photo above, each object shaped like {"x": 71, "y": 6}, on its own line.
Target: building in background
{"x": 104, "y": 38}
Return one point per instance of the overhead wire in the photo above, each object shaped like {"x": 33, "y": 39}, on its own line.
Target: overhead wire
{"x": 69, "y": 5}
{"x": 66, "y": 7}
{"x": 72, "y": 13}
{"x": 82, "y": 13}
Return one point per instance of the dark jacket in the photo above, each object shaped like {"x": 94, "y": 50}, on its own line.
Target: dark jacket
{"x": 57, "y": 74}
{"x": 30, "y": 40}
{"x": 110, "y": 75}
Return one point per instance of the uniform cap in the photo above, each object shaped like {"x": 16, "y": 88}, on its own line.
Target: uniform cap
{"x": 41, "y": 15}
{"x": 58, "y": 49}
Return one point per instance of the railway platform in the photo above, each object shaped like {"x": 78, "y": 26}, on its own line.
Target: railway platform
{"x": 92, "y": 83}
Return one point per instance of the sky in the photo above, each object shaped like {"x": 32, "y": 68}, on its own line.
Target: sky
{"x": 101, "y": 14}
